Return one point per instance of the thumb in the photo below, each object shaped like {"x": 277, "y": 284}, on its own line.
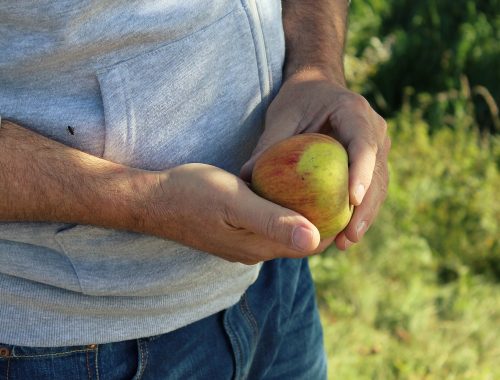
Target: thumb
{"x": 275, "y": 131}
{"x": 277, "y": 223}
{"x": 247, "y": 168}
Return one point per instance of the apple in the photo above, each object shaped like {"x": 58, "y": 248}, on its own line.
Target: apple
{"x": 307, "y": 173}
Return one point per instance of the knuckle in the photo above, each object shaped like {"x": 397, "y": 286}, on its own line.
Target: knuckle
{"x": 383, "y": 124}
{"x": 370, "y": 142}
{"x": 383, "y": 189}
{"x": 274, "y": 228}
{"x": 360, "y": 102}
{"x": 381, "y": 173}
{"x": 351, "y": 235}
{"x": 388, "y": 144}
{"x": 380, "y": 128}
{"x": 270, "y": 227}
{"x": 381, "y": 181}
{"x": 354, "y": 101}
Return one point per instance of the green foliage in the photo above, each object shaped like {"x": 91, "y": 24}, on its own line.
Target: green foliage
{"x": 387, "y": 316}
{"x": 443, "y": 190}
{"x": 432, "y": 44}
{"x": 419, "y": 297}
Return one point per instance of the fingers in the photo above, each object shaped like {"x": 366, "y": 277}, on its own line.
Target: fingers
{"x": 270, "y": 136}
{"x": 275, "y": 223}
{"x": 362, "y": 147}
{"x": 342, "y": 242}
{"x": 256, "y": 249}
{"x": 364, "y": 134}
{"x": 362, "y": 155}
{"x": 324, "y": 244}
{"x": 267, "y": 231}
{"x": 222, "y": 216}
{"x": 365, "y": 213}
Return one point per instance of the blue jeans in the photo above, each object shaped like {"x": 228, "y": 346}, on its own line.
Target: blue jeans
{"x": 274, "y": 332}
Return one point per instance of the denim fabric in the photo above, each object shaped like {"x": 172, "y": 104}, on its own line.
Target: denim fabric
{"x": 273, "y": 332}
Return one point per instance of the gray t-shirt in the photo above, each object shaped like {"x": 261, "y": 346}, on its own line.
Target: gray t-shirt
{"x": 151, "y": 84}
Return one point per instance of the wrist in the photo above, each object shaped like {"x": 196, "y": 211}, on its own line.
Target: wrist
{"x": 315, "y": 73}
{"x": 133, "y": 199}
{"x": 42, "y": 180}
{"x": 315, "y": 36}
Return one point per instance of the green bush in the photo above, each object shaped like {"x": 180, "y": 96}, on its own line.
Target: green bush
{"x": 444, "y": 190}
{"x": 433, "y": 45}
{"x": 419, "y": 297}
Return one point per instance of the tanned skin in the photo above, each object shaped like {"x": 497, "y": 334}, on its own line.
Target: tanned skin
{"x": 315, "y": 33}
{"x": 42, "y": 180}
{"x": 314, "y": 98}
{"x": 199, "y": 205}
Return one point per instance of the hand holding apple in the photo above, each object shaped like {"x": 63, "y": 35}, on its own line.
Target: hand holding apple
{"x": 214, "y": 211}
{"x": 311, "y": 101}
{"x": 307, "y": 173}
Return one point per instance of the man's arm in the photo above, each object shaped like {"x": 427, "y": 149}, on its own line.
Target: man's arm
{"x": 43, "y": 180}
{"x": 314, "y": 98}
{"x": 315, "y": 32}
{"x": 198, "y": 205}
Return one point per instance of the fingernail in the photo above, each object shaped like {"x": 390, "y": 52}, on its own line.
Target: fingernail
{"x": 302, "y": 238}
{"x": 360, "y": 228}
{"x": 359, "y": 193}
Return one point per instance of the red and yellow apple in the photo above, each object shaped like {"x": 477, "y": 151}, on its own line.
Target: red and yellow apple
{"x": 307, "y": 173}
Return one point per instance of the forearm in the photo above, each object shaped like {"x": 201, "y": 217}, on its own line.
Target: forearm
{"x": 43, "y": 180}
{"x": 315, "y": 32}
{"x": 197, "y": 205}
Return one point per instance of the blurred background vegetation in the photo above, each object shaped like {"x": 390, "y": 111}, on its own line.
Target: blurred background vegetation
{"x": 419, "y": 297}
